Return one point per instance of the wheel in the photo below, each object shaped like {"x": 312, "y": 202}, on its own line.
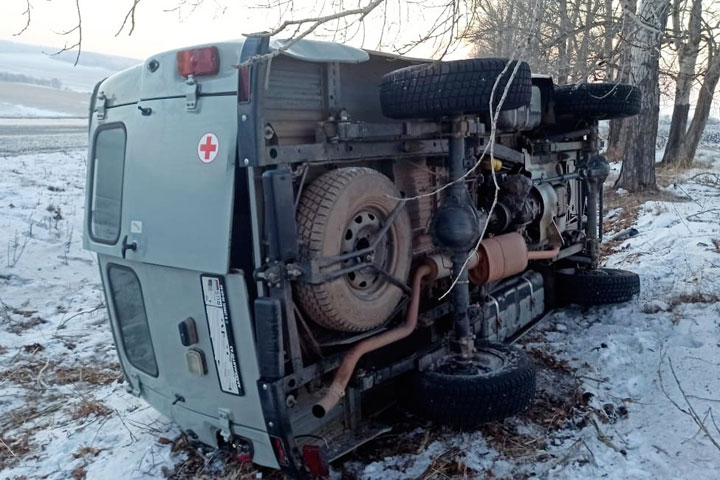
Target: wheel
{"x": 342, "y": 211}
{"x": 599, "y": 101}
{"x": 498, "y": 382}
{"x": 595, "y": 287}
{"x": 453, "y": 88}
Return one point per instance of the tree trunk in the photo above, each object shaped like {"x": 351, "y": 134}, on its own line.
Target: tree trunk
{"x": 691, "y": 141}
{"x": 638, "y": 168}
{"x": 617, "y": 137}
{"x": 687, "y": 58}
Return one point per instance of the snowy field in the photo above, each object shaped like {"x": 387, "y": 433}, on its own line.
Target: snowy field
{"x": 631, "y": 391}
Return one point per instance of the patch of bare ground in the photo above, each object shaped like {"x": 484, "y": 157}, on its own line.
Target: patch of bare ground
{"x": 14, "y": 448}
{"x": 85, "y": 454}
{"x": 18, "y": 425}
{"x": 38, "y": 373}
{"x": 89, "y": 407}
{"x": 675, "y": 304}
{"x": 205, "y": 463}
{"x": 450, "y": 464}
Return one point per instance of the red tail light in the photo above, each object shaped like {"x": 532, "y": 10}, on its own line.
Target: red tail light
{"x": 198, "y": 61}
{"x": 244, "y": 83}
{"x": 279, "y": 450}
{"x": 315, "y": 460}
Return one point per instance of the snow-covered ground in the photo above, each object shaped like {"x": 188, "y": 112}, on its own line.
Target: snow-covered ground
{"x": 25, "y": 100}
{"x": 41, "y": 64}
{"x": 35, "y": 83}
{"x": 610, "y": 406}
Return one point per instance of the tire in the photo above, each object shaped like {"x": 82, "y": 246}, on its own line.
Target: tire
{"x": 328, "y": 225}
{"x": 453, "y": 88}
{"x": 458, "y": 398}
{"x": 595, "y": 287}
{"x": 599, "y": 101}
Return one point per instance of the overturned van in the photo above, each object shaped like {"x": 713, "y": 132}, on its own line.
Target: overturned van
{"x": 293, "y": 237}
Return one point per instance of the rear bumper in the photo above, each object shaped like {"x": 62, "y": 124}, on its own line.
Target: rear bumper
{"x": 205, "y": 428}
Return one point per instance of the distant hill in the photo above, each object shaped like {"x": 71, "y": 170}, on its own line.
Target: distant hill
{"x": 36, "y": 84}
{"x": 33, "y": 64}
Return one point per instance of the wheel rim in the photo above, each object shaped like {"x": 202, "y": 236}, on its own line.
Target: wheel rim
{"x": 483, "y": 362}
{"x": 360, "y": 232}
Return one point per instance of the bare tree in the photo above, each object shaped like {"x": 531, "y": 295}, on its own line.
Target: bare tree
{"x": 576, "y": 41}
{"x": 638, "y": 168}
{"x": 691, "y": 139}
{"x": 617, "y": 136}
{"x": 687, "y": 43}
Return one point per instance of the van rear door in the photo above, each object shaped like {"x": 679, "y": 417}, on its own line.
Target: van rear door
{"x": 178, "y": 180}
{"x": 161, "y": 193}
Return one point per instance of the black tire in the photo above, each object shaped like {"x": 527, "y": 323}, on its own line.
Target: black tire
{"x": 599, "y": 101}
{"x": 328, "y": 225}
{"x": 601, "y": 286}
{"x": 453, "y": 88}
{"x": 452, "y": 396}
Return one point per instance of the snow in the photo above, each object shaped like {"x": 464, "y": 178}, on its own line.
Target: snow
{"x": 619, "y": 353}
{"x": 14, "y": 110}
{"x": 46, "y": 276}
{"x": 80, "y": 78}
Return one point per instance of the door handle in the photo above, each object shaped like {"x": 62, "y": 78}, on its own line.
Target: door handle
{"x": 128, "y": 246}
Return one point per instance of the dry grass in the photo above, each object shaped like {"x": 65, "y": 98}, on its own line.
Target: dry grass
{"x": 449, "y": 465}
{"x": 33, "y": 348}
{"x": 204, "y": 463}
{"x": 13, "y": 449}
{"x": 91, "y": 407}
{"x": 93, "y": 375}
{"x": 39, "y": 373}
{"x": 84, "y": 452}
{"x": 684, "y": 299}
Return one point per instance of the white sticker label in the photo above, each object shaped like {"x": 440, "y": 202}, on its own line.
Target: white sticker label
{"x": 135, "y": 226}
{"x": 208, "y": 147}
{"x": 221, "y": 337}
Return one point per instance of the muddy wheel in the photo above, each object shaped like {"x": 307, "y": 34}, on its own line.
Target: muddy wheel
{"x": 498, "y": 382}
{"x": 453, "y": 88}
{"x": 340, "y": 212}
{"x": 601, "y": 286}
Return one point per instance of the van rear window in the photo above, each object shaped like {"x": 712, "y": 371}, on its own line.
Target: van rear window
{"x": 132, "y": 319}
{"x": 108, "y": 164}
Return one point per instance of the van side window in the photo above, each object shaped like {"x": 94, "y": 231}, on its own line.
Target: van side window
{"x": 132, "y": 320}
{"x": 108, "y": 164}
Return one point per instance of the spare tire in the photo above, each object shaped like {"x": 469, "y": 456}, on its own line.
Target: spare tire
{"x": 599, "y": 101}
{"x": 339, "y": 212}
{"x": 453, "y": 88}
{"x": 499, "y": 382}
{"x": 600, "y": 286}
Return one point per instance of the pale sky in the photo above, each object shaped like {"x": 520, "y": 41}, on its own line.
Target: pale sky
{"x": 158, "y": 29}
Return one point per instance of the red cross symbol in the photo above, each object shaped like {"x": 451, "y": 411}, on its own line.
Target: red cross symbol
{"x": 208, "y": 147}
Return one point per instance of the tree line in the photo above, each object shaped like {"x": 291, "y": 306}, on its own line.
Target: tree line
{"x": 662, "y": 46}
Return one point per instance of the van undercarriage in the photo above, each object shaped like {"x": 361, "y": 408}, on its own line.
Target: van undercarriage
{"x": 340, "y": 251}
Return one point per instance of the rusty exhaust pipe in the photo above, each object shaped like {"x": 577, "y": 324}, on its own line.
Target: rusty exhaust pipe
{"x": 497, "y": 258}
{"x": 544, "y": 254}
{"x": 347, "y": 367}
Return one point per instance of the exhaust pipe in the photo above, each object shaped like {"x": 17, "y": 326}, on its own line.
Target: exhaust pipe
{"x": 497, "y": 258}
{"x": 347, "y": 367}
